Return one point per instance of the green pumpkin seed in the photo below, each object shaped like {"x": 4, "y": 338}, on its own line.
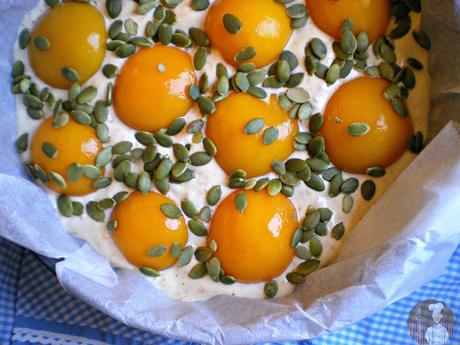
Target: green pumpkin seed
{"x": 189, "y": 208}
{"x": 261, "y": 184}
{"x": 60, "y": 120}
{"x": 104, "y": 157}
{"x": 145, "y": 7}
{"x": 144, "y": 138}
{"x": 198, "y": 271}
{"x": 245, "y": 54}
{"x": 274, "y": 187}
{"x": 295, "y": 165}
{"x": 213, "y": 267}
{"x": 316, "y": 146}
{"x": 347, "y": 203}
{"x": 178, "y": 169}
{"x": 241, "y": 202}
{"x": 332, "y": 74}
{"x": 125, "y": 50}
{"x": 120, "y": 197}
{"x": 422, "y": 39}
{"x": 188, "y": 175}
{"x": 231, "y": 23}
{"x": 106, "y": 204}
{"x": 24, "y": 38}
{"x": 78, "y": 208}
{"x": 348, "y": 42}
{"x": 307, "y": 267}
{"x": 101, "y": 182}
{"x": 110, "y": 71}
{"x": 257, "y": 76}
{"x": 163, "y": 169}
{"x": 175, "y": 250}
{"x": 171, "y": 211}
{"x": 205, "y": 214}
{"x": 298, "y": 95}
{"x": 70, "y": 74}
{"x": 203, "y": 254}
{"x": 302, "y": 252}
{"x": 197, "y": 228}
{"x": 144, "y": 183}
{"x": 329, "y": 173}
{"x": 270, "y": 135}
{"x": 49, "y": 149}
{"x": 213, "y": 196}
{"x": 176, "y": 126}
{"x": 200, "y": 58}
{"x": 271, "y": 288}
{"x": 311, "y": 220}
{"x": 42, "y": 43}
{"x": 209, "y": 147}
{"x": 414, "y": 63}
{"x": 320, "y": 229}
{"x": 156, "y": 251}
{"x": 95, "y": 212}
{"x": 335, "y": 185}
{"x": 185, "y": 257}
{"x": 246, "y": 67}
{"x": 74, "y": 172}
{"x": 318, "y": 48}
{"x": 278, "y": 167}
{"x": 295, "y": 278}
{"x": 296, "y": 11}
{"x": 283, "y": 71}
{"x": 358, "y": 129}
{"x": 376, "y": 171}
{"x": 32, "y": 102}
{"x": 58, "y": 179}
{"x": 122, "y": 147}
{"x": 90, "y": 171}
{"x": 296, "y": 237}
{"x": 102, "y": 132}
{"x": 115, "y": 29}
{"x": 199, "y": 5}
{"x": 257, "y": 92}
{"x": 199, "y": 37}
{"x": 399, "y": 107}
{"x": 206, "y": 105}
{"x": 362, "y": 42}
{"x": 114, "y": 7}
{"x": 22, "y": 143}
{"x": 316, "y": 122}
{"x": 388, "y": 53}
{"x": 87, "y": 95}
{"x": 200, "y": 158}
{"x": 149, "y": 272}
{"x": 65, "y": 206}
{"x": 315, "y": 183}
{"x": 316, "y": 248}
{"x": 350, "y": 185}
{"x": 317, "y": 165}
{"x": 162, "y": 185}
{"x": 337, "y": 231}
{"x": 368, "y": 189}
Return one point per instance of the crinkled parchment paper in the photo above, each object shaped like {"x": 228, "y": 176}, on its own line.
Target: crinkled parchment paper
{"x": 402, "y": 243}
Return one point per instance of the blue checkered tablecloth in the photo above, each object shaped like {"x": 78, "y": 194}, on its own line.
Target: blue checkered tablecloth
{"x": 34, "y": 309}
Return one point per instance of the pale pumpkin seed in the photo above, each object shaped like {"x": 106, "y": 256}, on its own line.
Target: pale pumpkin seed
{"x": 175, "y": 250}
{"x": 271, "y": 288}
{"x": 254, "y": 126}
{"x": 104, "y": 157}
{"x": 42, "y": 43}
{"x": 145, "y": 7}
{"x": 206, "y": 105}
{"x": 358, "y": 129}
{"x": 347, "y": 203}
{"x": 197, "y": 228}
{"x": 95, "y": 212}
{"x": 144, "y": 183}
{"x": 65, "y": 206}
{"x": 298, "y": 95}
{"x": 231, "y": 23}
{"x": 270, "y": 135}
{"x": 185, "y": 257}
{"x": 156, "y": 251}
{"x": 241, "y": 202}
{"x": 70, "y": 74}
{"x": 149, "y": 272}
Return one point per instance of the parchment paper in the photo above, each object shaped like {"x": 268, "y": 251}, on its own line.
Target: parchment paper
{"x": 403, "y": 242}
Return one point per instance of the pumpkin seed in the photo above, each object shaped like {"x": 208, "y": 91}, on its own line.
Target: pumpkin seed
{"x": 241, "y": 202}
{"x": 231, "y": 23}
{"x": 295, "y": 278}
{"x": 307, "y": 267}
{"x": 316, "y": 146}
{"x": 388, "y": 53}
{"x": 77, "y": 208}
{"x": 271, "y": 288}
{"x": 332, "y": 74}
{"x": 261, "y": 184}
{"x": 316, "y": 122}
{"x": 197, "y": 228}
{"x": 32, "y": 102}
{"x": 254, "y": 126}
{"x": 315, "y": 183}
{"x": 270, "y": 135}
{"x": 200, "y": 58}
{"x": 22, "y": 142}
{"x": 49, "y": 149}
{"x": 213, "y": 196}
{"x": 297, "y": 23}
{"x": 110, "y": 71}
{"x": 122, "y": 147}
{"x": 200, "y": 158}
{"x": 106, "y": 204}
{"x": 198, "y": 271}
{"x": 318, "y": 48}
{"x": 64, "y": 205}
{"x": 171, "y": 211}
{"x": 283, "y": 71}
{"x": 115, "y": 29}
{"x": 163, "y": 169}
{"x": 145, "y": 7}
{"x": 189, "y": 208}
{"x": 213, "y": 267}
{"x": 329, "y": 173}
{"x": 113, "y": 7}
{"x": 125, "y": 50}
{"x": 274, "y": 187}
{"x": 95, "y": 212}
{"x": 185, "y": 257}
{"x": 317, "y": 165}
{"x": 162, "y": 185}
{"x": 414, "y": 63}
{"x": 156, "y": 251}
{"x": 376, "y": 171}
{"x": 199, "y": 37}
{"x": 87, "y": 95}
{"x": 358, "y": 129}
{"x": 144, "y": 138}
{"x": 205, "y": 214}
{"x": 42, "y": 43}
{"x": 350, "y": 185}
{"x": 422, "y": 39}
{"x": 347, "y": 204}
{"x": 257, "y": 76}
{"x": 203, "y": 254}
{"x": 175, "y": 250}
{"x": 149, "y": 272}
{"x": 199, "y": 5}
{"x": 348, "y": 42}
{"x": 206, "y": 105}
{"x": 302, "y": 252}
{"x": 298, "y": 95}
{"x": 70, "y": 74}
{"x": 337, "y": 231}
{"x": 188, "y": 175}
{"x": 104, "y": 157}
{"x": 58, "y": 179}
{"x": 101, "y": 182}
{"x": 320, "y": 229}
{"x": 295, "y": 165}
{"x": 399, "y": 107}
{"x": 296, "y": 237}
{"x": 178, "y": 169}
{"x": 316, "y": 248}
{"x": 368, "y": 190}
{"x": 74, "y": 172}
{"x": 296, "y": 11}
{"x": 245, "y": 54}
{"x": 311, "y": 220}
{"x": 24, "y": 38}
